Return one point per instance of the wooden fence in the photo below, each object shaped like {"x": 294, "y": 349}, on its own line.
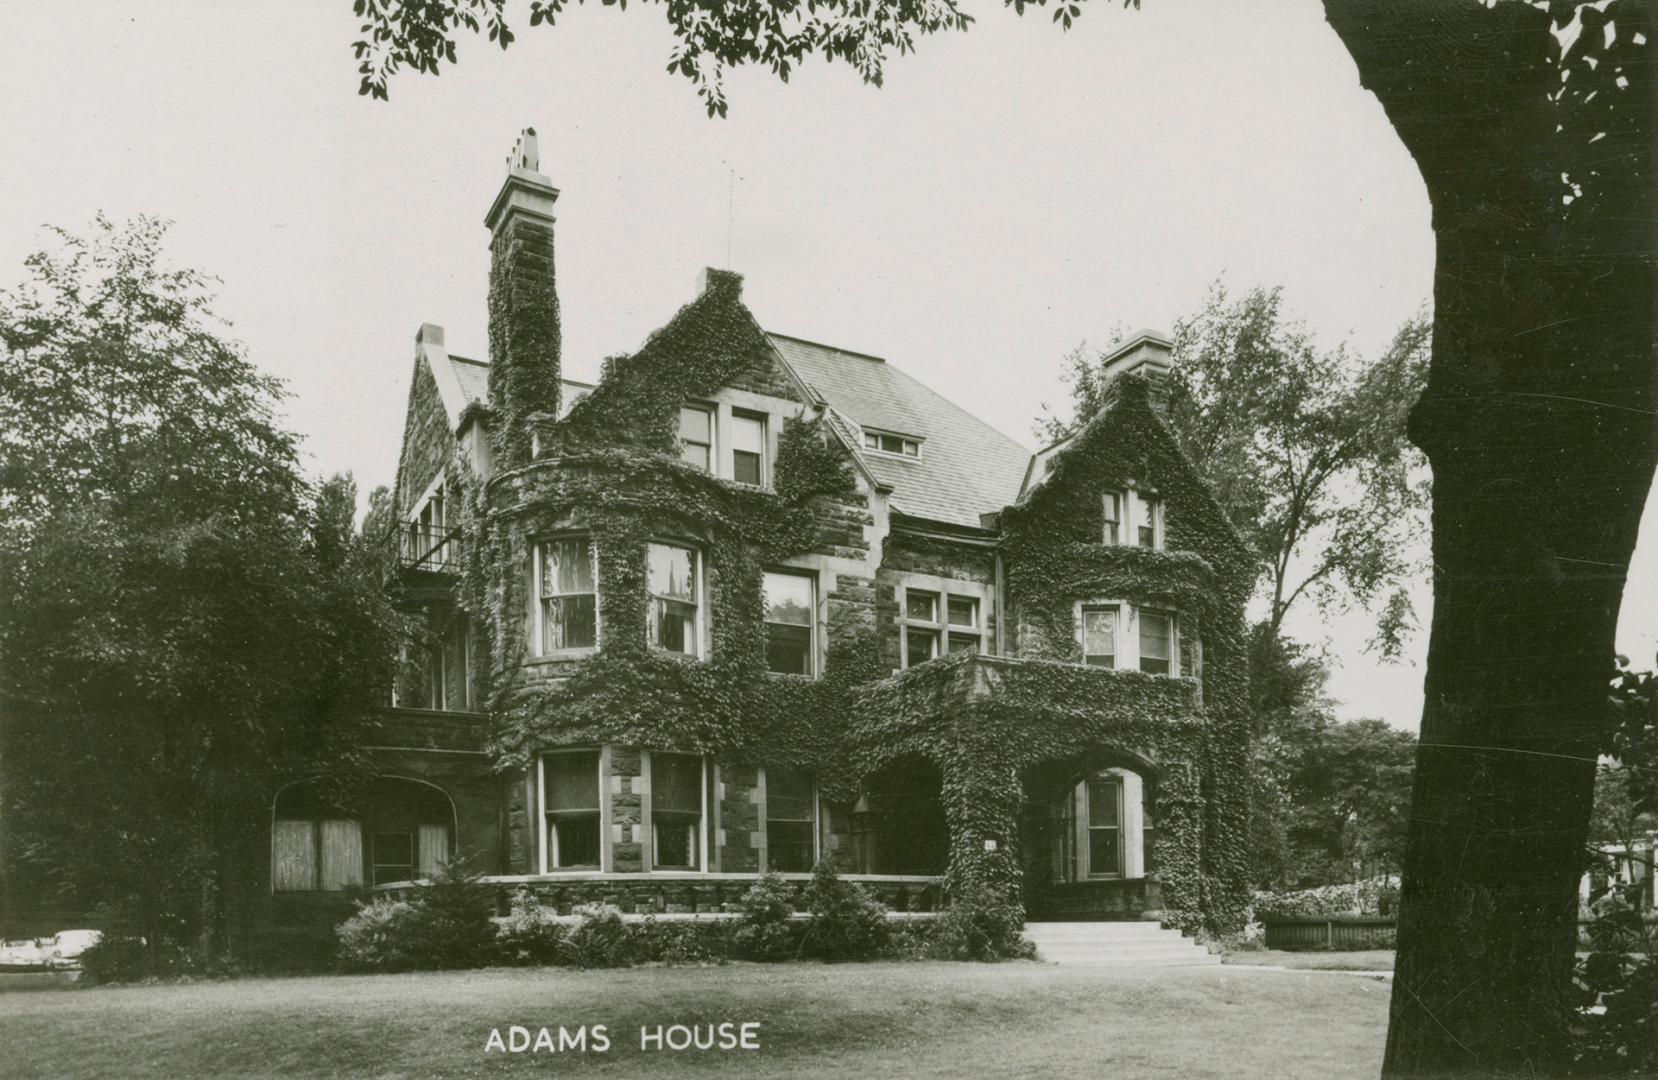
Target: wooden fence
{"x": 1337, "y": 932}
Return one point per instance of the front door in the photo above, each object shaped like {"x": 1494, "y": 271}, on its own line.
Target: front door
{"x": 1089, "y": 844}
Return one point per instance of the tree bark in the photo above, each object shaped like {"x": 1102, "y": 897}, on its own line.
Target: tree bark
{"x": 1538, "y": 421}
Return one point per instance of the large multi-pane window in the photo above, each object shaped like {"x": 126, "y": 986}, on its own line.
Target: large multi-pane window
{"x": 790, "y": 615}
{"x": 696, "y": 437}
{"x": 568, "y": 608}
{"x": 1099, "y": 635}
{"x": 934, "y": 623}
{"x": 675, "y": 615}
{"x": 676, "y": 811}
{"x": 791, "y": 819}
{"x": 570, "y": 797}
{"x": 748, "y": 448}
{"x": 965, "y": 630}
{"x": 1156, "y": 642}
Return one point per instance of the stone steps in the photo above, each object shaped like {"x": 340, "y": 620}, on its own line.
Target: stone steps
{"x": 1116, "y": 945}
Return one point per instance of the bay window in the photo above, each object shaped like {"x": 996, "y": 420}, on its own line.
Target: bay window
{"x": 1157, "y": 644}
{"x": 570, "y": 800}
{"x": 675, "y": 617}
{"x": 676, "y": 811}
{"x": 567, "y": 608}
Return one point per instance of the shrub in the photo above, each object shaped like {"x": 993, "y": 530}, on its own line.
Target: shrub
{"x": 980, "y": 924}
{"x": 454, "y": 924}
{"x": 123, "y": 958}
{"x": 530, "y": 934}
{"x": 447, "y": 924}
{"x": 599, "y": 939}
{"x": 680, "y": 943}
{"x": 847, "y": 923}
{"x": 765, "y": 930}
{"x": 1366, "y": 898}
{"x": 378, "y": 936}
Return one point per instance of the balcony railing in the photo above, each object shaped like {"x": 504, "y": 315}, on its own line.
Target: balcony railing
{"x": 425, "y": 547}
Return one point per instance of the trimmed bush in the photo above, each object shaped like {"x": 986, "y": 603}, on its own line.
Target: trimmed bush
{"x": 847, "y": 923}
{"x": 765, "y": 930}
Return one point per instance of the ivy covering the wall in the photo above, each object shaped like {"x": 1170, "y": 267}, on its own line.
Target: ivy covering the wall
{"x": 1054, "y": 559}
{"x": 610, "y": 470}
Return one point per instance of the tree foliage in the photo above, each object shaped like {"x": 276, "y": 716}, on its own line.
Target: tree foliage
{"x": 181, "y": 617}
{"x": 1305, "y": 448}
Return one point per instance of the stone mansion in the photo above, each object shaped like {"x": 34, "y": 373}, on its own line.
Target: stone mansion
{"x": 752, "y": 601}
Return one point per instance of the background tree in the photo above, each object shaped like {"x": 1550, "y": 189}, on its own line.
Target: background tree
{"x": 182, "y": 618}
{"x": 1533, "y": 125}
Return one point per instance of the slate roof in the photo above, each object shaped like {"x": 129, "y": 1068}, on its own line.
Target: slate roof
{"x": 473, "y": 375}
{"x": 966, "y": 467}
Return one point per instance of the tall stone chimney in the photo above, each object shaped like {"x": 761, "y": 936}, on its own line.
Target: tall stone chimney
{"x": 1144, "y": 353}
{"x": 523, "y": 304}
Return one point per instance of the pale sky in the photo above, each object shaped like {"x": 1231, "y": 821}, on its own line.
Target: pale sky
{"x": 1009, "y": 193}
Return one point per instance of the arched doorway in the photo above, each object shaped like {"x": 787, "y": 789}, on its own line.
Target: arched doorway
{"x": 898, "y": 824}
{"x": 1087, "y": 838}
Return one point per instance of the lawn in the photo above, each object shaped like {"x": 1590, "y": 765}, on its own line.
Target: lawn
{"x": 913, "y": 1020}
{"x": 1357, "y": 960}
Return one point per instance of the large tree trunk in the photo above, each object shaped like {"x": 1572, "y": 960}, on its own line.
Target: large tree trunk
{"x": 1538, "y": 421}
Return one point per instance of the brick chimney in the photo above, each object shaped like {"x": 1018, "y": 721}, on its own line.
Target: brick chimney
{"x": 1144, "y": 353}
{"x": 523, "y": 304}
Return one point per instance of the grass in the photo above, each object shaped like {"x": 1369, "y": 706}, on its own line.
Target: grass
{"x": 915, "y": 1020}
{"x": 1358, "y": 960}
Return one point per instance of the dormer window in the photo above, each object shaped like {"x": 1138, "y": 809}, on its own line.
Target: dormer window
{"x": 887, "y": 443}
{"x": 696, "y": 437}
{"x": 748, "y": 448}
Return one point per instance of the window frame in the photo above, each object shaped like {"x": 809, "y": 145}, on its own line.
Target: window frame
{"x": 761, "y": 420}
{"x": 712, "y": 412}
{"x": 699, "y": 837}
{"x": 940, "y": 629}
{"x": 699, "y": 619}
{"x": 1113, "y": 528}
{"x": 874, "y": 437}
{"x": 811, "y": 579}
{"x": 548, "y": 839}
{"x": 538, "y": 570}
{"x": 813, "y": 820}
{"x": 1116, "y": 611}
{"x": 1173, "y": 659}
{"x": 1148, "y": 515}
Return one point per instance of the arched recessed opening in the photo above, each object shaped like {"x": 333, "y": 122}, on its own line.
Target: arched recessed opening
{"x": 898, "y": 823}
{"x": 390, "y": 829}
